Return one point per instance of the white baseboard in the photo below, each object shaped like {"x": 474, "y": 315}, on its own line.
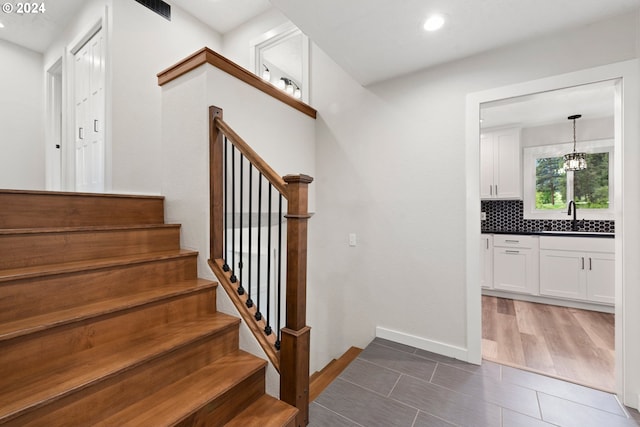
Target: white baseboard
{"x": 423, "y": 343}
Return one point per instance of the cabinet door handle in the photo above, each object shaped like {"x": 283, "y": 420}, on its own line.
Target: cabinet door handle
{"x": 487, "y": 243}
{"x": 490, "y": 190}
{"x": 512, "y": 252}
{"x": 80, "y": 133}
{"x": 496, "y": 189}
{"x": 512, "y": 241}
{"x": 589, "y": 263}
{"x": 582, "y": 263}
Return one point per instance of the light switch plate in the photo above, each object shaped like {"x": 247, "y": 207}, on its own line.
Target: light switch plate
{"x": 352, "y": 239}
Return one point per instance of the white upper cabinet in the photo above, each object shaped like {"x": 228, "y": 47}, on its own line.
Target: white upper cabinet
{"x": 500, "y": 164}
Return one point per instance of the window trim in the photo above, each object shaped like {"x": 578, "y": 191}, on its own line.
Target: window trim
{"x": 557, "y": 150}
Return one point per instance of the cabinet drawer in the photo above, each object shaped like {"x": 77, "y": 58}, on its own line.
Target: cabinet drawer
{"x": 515, "y": 241}
{"x": 584, "y": 244}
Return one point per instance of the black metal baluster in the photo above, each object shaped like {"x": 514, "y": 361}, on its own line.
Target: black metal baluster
{"x": 279, "y": 289}
{"x": 267, "y": 328}
{"x": 240, "y": 264}
{"x": 233, "y": 278}
{"x": 258, "y": 314}
{"x": 225, "y": 266}
{"x": 249, "y": 300}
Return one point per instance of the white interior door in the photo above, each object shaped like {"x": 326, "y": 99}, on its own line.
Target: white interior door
{"x": 89, "y": 76}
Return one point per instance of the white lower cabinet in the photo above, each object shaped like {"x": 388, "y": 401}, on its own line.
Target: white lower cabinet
{"x": 562, "y": 274}
{"x": 577, "y": 268}
{"x": 486, "y": 261}
{"x": 515, "y": 263}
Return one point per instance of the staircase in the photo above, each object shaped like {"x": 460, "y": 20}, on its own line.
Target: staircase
{"x": 104, "y": 322}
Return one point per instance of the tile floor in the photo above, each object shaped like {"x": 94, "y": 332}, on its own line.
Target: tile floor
{"x": 391, "y": 384}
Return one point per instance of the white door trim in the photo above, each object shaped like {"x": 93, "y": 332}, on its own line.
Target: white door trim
{"x": 54, "y": 126}
{"x": 68, "y": 110}
{"x": 627, "y": 203}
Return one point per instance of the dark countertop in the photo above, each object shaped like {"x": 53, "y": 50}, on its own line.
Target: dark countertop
{"x": 552, "y": 233}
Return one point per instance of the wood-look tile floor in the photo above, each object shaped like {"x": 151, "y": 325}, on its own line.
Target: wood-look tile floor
{"x": 568, "y": 343}
{"x": 391, "y": 384}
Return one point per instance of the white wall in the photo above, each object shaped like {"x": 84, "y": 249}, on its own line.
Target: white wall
{"x": 281, "y": 135}
{"x": 85, "y": 19}
{"x": 143, "y": 44}
{"x": 22, "y": 162}
{"x": 390, "y": 167}
{"x": 140, "y": 44}
{"x": 236, "y": 43}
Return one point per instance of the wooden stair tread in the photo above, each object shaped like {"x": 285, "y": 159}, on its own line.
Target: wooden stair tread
{"x": 89, "y": 265}
{"x": 267, "y": 411}
{"x": 21, "y": 327}
{"x": 79, "y": 370}
{"x": 177, "y": 401}
{"x": 50, "y": 230}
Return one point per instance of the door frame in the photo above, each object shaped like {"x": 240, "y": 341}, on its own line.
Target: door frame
{"x": 627, "y": 203}
{"x": 68, "y": 110}
{"x": 54, "y": 125}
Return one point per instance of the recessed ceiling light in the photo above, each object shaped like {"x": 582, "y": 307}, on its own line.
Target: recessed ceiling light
{"x": 434, "y": 23}
{"x": 1, "y": 25}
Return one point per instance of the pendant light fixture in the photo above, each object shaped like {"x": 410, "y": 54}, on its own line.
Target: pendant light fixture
{"x": 575, "y": 161}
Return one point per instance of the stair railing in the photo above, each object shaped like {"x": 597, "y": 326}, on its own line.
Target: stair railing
{"x": 247, "y": 197}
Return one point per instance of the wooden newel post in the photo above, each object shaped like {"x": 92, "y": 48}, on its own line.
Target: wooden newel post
{"x": 295, "y": 336}
{"x": 216, "y": 230}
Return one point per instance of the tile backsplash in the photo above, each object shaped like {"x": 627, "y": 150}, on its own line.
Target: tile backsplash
{"x": 507, "y": 215}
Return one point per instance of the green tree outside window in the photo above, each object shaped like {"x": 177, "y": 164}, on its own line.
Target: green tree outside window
{"x": 590, "y": 187}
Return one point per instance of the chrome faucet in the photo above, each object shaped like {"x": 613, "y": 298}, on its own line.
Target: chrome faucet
{"x": 575, "y": 224}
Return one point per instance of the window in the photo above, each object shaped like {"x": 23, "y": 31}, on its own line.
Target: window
{"x": 548, "y": 188}
{"x": 281, "y": 56}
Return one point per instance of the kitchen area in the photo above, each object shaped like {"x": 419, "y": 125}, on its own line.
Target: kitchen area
{"x": 547, "y": 249}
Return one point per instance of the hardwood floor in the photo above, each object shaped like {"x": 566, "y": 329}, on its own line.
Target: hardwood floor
{"x": 567, "y": 343}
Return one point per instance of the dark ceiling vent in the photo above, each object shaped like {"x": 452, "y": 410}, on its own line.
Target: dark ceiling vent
{"x": 158, "y": 6}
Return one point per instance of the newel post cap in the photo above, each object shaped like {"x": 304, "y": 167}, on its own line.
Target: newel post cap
{"x": 297, "y": 179}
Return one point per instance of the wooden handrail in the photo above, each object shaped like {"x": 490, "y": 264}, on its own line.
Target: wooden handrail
{"x": 257, "y": 161}
{"x": 292, "y": 361}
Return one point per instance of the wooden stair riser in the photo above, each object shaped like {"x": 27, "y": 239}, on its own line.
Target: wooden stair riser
{"x": 105, "y": 398}
{"x": 265, "y": 412}
{"x": 49, "y": 209}
{"x": 45, "y": 294}
{"x": 34, "y": 351}
{"x": 223, "y": 409}
{"x": 26, "y": 250}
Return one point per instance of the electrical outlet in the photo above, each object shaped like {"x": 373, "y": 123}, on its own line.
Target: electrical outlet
{"x": 352, "y": 239}
{"x": 483, "y": 216}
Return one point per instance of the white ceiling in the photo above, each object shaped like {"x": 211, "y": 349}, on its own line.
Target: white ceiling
{"x": 374, "y": 40}
{"x": 36, "y": 31}
{"x": 593, "y": 101}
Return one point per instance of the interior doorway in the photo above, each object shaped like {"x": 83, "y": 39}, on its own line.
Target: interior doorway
{"x": 89, "y": 113}
{"x": 626, "y": 110}
{"x": 542, "y": 302}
